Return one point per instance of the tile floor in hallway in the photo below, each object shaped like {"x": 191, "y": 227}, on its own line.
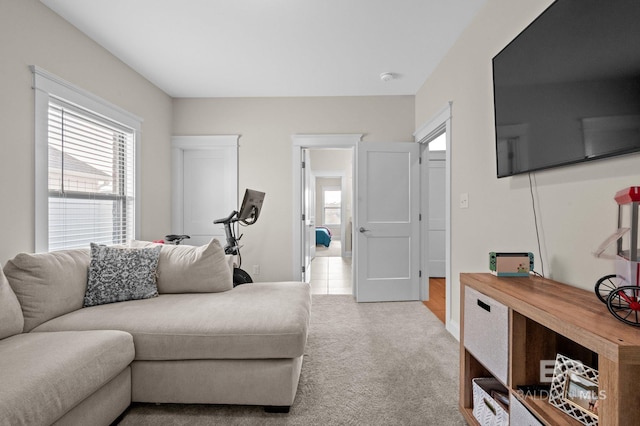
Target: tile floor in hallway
{"x": 331, "y": 275}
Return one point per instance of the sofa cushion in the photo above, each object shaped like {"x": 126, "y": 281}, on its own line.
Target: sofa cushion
{"x": 11, "y": 319}
{"x": 190, "y": 269}
{"x": 44, "y": 375}
{"x": 252, "y": 321}
{"x": 48, "y": 284}
{"x": 117, "y": 274}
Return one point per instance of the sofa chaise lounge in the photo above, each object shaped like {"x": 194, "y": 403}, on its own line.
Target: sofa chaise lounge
{"x": 199, "y": 341}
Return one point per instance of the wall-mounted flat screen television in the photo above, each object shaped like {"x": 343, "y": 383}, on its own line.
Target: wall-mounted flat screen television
{"x": 567, "y": 89}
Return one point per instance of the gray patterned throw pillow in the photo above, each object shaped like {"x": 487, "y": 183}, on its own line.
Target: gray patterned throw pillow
{"x": 117, "y": 274}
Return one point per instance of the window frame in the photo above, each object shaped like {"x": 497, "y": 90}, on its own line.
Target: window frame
{"x": 47, "y": 86}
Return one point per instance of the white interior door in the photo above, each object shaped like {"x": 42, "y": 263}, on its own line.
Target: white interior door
{"x": 205, "y": 185}
{"x": 437, "y": 214}
{"x": 387, "y": 229}
{"x": 309, "y": 213}
{"x": 312, "y": 216}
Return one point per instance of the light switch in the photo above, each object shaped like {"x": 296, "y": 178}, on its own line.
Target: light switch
{"x": 464, "y": 200}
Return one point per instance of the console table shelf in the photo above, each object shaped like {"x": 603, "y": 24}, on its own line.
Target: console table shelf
{"x": 545, "y": 318}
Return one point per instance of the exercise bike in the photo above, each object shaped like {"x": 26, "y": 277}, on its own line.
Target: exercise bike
{"x": 248, "y": 215}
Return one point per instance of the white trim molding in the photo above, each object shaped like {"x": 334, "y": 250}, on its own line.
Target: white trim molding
{"x": 441, "y": 122}
{"x": 326, "y": 141}
{"x": 55, "y": 86}
{"x": 46, "y": 86}
{"x": 204, "y": 141}
{"x": 180, "y": 144}
{"x": 299, "y": 143}
{"x": 434, "y": 126}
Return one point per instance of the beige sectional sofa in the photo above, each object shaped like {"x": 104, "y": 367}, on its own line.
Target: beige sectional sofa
{"x": 64, "y": 363}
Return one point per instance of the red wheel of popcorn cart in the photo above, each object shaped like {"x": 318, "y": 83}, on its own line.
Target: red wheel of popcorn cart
{"x": 624, "y": 304}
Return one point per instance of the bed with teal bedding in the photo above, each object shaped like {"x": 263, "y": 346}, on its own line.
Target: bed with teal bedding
{"x": 323, "y": 236}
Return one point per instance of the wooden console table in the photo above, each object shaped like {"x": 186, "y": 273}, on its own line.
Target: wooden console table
{"x": 546, "y": 317}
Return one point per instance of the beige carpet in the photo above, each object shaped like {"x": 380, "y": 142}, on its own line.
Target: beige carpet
{"x": 365, "y": 364}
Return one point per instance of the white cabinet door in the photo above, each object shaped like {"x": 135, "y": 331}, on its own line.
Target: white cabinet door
{"x": 387, "y": 229}
{"x": 205, "y": 186}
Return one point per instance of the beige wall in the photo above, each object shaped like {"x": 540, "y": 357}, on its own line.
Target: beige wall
{"x": 265, "y": 164}
{"x": 31, "y": 34}
{"x": 576, "y": 208}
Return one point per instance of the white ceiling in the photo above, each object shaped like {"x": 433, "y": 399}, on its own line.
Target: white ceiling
{"x": 239, "y": 48}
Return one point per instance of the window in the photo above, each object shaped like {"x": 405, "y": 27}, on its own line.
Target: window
{"x": 331, "y": 206}
{"x": 85, "y": 168}
{"x": 91, "y": 179}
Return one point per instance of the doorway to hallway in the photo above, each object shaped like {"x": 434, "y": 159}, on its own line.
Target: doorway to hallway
{"x": 436, "y": 134}
{"x": 332, "y": 179}
{"x": 305, "y": 209}
{"x": 331, "y": 274}
{"x": 437, "y": 298}
{"x": 385, "y": 243}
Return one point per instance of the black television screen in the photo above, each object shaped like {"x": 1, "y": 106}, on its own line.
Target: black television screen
{"x": 567, "y": 89}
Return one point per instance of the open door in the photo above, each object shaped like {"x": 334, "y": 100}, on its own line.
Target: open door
{"x": 304, "y": 231}
{"x": 437, "y": 224}
{"x": 308, "y": 215}
{"x": 387, "y": 229}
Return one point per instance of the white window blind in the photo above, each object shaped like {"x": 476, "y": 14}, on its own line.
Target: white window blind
{"x": 91, "y": 178}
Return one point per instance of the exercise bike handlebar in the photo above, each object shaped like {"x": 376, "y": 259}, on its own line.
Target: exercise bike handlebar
{"x": 228, "y": 219}
{"x": 232, "y": 246}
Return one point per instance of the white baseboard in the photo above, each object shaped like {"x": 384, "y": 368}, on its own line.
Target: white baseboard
{"x": 454, "y": 329}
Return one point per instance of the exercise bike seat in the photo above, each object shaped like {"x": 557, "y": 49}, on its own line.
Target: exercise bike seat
{"x": 173, "y": 237}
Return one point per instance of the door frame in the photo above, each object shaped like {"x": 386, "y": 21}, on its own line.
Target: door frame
{"x": 440, "y": 122}
{"x": 180, "y": 144}
{"x": 314, "y": 141}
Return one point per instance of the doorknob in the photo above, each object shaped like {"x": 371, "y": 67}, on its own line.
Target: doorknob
{"x": 362, "y": 229}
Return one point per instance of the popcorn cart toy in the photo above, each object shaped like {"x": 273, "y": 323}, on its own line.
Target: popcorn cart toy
{"x": 621, "y": 291}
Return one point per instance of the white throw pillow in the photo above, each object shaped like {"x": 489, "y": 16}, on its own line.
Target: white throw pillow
{"x": 48, "y": 284}
{"x": 11, "y": 319}
{"x": 190, "y": 269}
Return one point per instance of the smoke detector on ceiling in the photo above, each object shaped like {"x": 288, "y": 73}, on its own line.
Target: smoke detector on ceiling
{"x": 387, "y": 76}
